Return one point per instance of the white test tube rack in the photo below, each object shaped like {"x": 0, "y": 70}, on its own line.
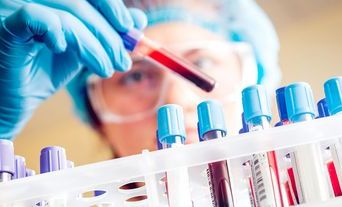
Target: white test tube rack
{"x": 64, "y": 188}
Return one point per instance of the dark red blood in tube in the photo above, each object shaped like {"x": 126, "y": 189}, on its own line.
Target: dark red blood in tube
{"x": 185, "y": 69}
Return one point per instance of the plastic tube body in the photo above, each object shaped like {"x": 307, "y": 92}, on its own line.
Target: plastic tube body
{"x": 5, "y": 177}
{"x": 265, "y": 170}
{"x": 311, "y": 183}
{"x": 219, "y": 180}
{"x": 178, "y": 188}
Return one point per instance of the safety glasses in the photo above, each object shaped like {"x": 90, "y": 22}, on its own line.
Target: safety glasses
{"x": 136, "y": 94}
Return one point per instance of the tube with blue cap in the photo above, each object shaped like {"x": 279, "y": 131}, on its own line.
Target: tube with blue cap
{"x": 211, "y": 125}
{"x": 332, "y": 107}
{"x": 312, "y": 185}
{"x": 244, "y": 128}
{"x": 265, "y": 173}
{"x": 332, "y": 149}
{"x": 290, "y": 170}
{"x": 246, "y": 167}
{"x": 333, "y": 95}
{"x": 171, "y": 134}
{"x": 281, "y": 105}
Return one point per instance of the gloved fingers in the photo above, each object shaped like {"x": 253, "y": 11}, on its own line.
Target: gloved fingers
{"x": 115, "y": 12}
{"x": 100, "y": 27}
{"x": 89, "y": 49}
{"x": 139, "y": 18}
{"x": 34, "y": 21}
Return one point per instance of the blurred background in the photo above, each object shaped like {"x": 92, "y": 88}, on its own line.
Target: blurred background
{"x": 310, "y": 33}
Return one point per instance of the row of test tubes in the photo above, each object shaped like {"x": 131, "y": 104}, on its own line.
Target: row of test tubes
{"x": 13, "y": 166}
{"x": 304, "y": 174}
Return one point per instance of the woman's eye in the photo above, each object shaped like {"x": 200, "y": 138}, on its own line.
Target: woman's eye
{"x": 203, "y": 62}
{"x": 134, "y": 77}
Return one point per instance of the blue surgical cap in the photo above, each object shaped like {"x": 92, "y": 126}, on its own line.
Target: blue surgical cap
{"x": 237, "y": 20}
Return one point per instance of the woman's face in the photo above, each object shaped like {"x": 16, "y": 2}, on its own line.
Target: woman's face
{"x": 145, "y": 85}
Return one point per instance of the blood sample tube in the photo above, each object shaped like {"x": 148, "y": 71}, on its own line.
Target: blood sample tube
{"x": 265, "y": 173}
{"x": 289, "y": 184}
{"x": 211, "y": 125}
{"x": 171, "y": 134}
{"x": 311, "y": 183}
{"x": 135, "y": 41}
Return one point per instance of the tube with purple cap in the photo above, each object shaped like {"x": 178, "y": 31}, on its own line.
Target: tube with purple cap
{"x": 20, "y": 167}
{"x": 30, "y": 172}
{"x": 211, "y": 125}
{"x": 52, "y": 159}
{"x": 7, "y": 168}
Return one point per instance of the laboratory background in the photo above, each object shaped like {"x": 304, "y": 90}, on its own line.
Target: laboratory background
{"x": 310, "y": 34}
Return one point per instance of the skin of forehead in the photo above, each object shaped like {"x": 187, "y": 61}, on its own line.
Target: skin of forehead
{"x": 179, "y": 32}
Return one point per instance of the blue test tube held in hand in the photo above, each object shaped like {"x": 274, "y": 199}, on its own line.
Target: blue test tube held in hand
{"x": 265, "y": 174}
{"x": 171, "y": 134}
{"x": 312, "y": 184}
{"x": 211, "y": 125}
{"x": 7, "y": 168}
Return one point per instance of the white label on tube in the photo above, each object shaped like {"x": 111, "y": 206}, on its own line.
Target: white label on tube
{"x": 178, "y": 188}
{"x": 312, "y": 178}
{"x": 262, "y": 180}
{"x": 336, "y": 156}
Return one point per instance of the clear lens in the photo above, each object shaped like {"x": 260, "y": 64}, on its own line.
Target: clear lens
{"x": 135, "y": 91}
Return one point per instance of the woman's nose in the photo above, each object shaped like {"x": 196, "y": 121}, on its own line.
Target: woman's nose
{"x": 182, "y": 93}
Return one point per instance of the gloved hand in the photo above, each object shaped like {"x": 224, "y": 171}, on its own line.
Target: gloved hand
{"x": 43, "y": 45}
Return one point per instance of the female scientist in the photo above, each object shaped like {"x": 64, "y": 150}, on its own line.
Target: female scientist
{"x": 49, "y": 44}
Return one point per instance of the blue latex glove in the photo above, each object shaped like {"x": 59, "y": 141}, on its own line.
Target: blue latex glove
{"x": 43, "y": 45}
